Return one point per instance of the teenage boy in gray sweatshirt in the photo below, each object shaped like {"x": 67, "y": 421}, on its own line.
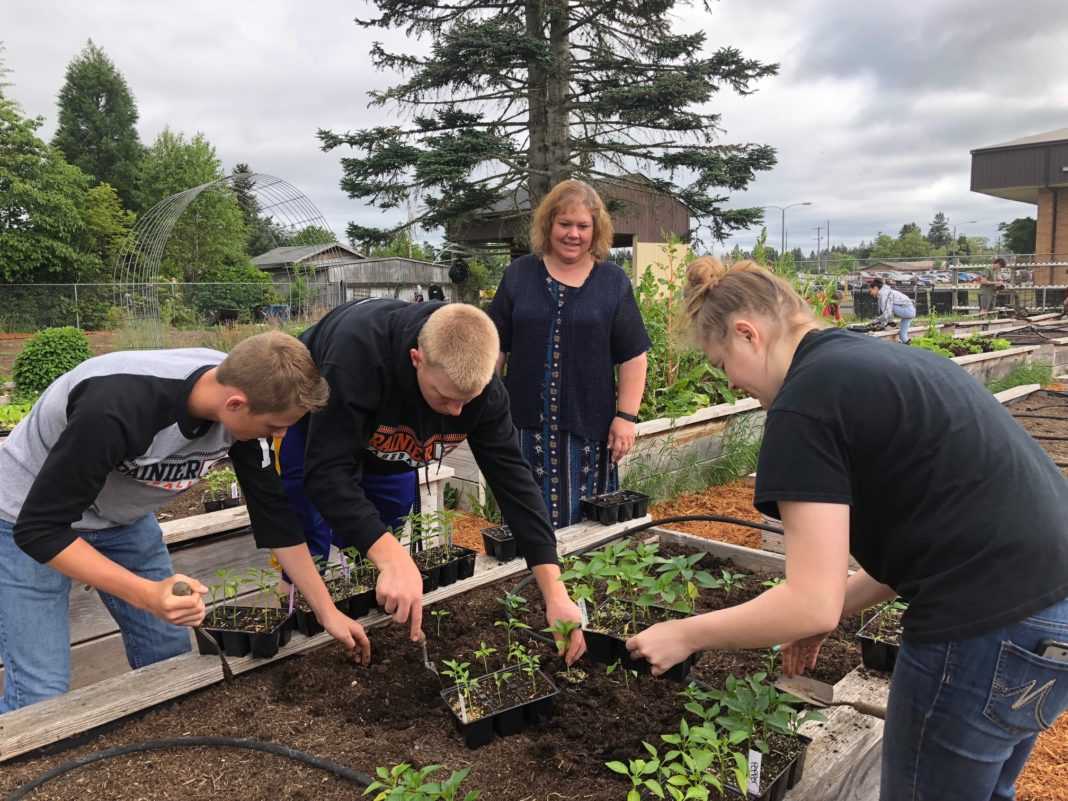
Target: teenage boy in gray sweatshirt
{"x": 105, "y": 446}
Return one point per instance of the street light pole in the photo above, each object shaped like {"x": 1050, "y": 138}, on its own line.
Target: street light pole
{"x": 819, "y": 233}
{"x": 782, "y": 229}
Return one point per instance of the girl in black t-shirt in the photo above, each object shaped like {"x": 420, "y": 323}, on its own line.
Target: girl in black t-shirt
{"x": 975, "y": 538}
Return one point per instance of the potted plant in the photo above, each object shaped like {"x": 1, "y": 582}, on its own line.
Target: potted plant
{"x": 221, "y": 489}
{"x": 240, "y": 630}
{"x": 501, "y": 703}
{"x": 433, "y": 551}
{"x": 880, "y": 635}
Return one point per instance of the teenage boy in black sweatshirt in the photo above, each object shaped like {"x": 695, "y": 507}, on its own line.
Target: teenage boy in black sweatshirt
{"x": 105, "y": 446}
{"x": 408, "y": 383}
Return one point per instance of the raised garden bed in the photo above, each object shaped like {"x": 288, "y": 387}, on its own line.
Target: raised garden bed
{"x": 392, "y": 712}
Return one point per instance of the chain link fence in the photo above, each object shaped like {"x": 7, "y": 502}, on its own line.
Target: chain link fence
{"x": 26, "y": 308}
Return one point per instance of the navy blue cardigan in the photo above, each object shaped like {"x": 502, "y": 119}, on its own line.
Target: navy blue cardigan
{"x": 602, "y": 327}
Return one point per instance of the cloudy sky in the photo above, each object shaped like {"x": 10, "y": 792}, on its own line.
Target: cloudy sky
{"x": 873, "y": 113}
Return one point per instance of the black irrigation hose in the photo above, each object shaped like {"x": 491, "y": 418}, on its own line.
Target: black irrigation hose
{"x": 633, "y": 530}
{"x": 225, "y": 742}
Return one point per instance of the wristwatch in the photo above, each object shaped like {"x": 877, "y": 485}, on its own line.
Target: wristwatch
{"x": 630, "y": 418}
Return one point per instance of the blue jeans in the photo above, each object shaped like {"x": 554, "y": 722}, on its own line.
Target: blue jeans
{"x": 34, "y": 611}
{"x": 963, "y": 716}
{"x": 391, "y": 495}
{"x": 907, "y": 315}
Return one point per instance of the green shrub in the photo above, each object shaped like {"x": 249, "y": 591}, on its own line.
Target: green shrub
{"x": 47, "y": 355}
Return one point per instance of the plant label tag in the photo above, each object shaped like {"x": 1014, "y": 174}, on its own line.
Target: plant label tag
{"x": 234, "y": 491}
{"x": 463, "y": 708}
{"x": 755, "y": 758}
{"x": 582, "y": 612}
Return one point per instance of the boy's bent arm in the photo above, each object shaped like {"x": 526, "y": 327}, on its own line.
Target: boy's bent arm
{"x": 82, "y": 562}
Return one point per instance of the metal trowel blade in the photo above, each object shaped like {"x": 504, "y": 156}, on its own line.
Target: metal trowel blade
{"x": 814, "y": 692}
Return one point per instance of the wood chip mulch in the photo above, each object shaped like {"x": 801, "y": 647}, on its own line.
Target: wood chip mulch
{"x": 728, "y": 500}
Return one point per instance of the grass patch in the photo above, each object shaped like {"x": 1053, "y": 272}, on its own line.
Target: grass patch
{"x": 1036, "y": 373}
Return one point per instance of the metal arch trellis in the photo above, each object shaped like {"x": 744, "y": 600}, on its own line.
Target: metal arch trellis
{"x": 137, "y": 268}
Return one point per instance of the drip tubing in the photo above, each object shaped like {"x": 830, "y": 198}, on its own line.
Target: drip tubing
{"x": 218, "y": 742}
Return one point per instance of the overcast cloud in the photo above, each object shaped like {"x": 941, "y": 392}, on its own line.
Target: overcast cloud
{"x": 873, "y": 114}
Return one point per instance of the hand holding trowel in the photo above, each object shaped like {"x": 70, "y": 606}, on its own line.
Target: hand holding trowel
{"x": 821, "y": 694}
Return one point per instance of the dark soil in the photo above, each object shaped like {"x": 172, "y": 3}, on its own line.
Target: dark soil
{"x": 391, "y": 712}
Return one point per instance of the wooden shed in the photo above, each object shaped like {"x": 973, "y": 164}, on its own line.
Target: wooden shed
{"x": 335, "y": 273}
{"x": 643, "y": 215}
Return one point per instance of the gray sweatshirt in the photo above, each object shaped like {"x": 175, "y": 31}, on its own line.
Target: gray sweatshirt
{"x": 111, "y": 441}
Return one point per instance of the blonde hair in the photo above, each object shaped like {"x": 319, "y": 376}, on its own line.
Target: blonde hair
{"x": 276, "y": 373}
{"x": 564, "y": 194}
{"x": 461, "y": 340}
{"x": 714, "y": 292}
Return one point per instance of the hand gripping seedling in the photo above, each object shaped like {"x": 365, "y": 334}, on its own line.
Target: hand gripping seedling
{"x": 182, "y": 588}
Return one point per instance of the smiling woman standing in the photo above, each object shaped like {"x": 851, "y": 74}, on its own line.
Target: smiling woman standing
{"x": 567, "y": 318}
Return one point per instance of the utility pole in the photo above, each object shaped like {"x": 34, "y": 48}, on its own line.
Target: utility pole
{"x": 819, "y": 230}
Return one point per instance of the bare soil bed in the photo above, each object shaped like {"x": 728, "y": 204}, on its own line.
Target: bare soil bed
{"x": 391, "y": 712}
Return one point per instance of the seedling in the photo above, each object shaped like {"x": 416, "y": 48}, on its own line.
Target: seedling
{"x": 618, "y": 665}
{"x": 404, "y": 783}
{"x": 483, "y": 652}
{"x": 641, "y": 773}
{"x": 459, "y": 673}
{"x": 438, "y": 615}
{"x": 732, "y": 582}
{"x": 561, "y": 631}
{"x": 499, "y": 678}
{"x": 511, "y": 625}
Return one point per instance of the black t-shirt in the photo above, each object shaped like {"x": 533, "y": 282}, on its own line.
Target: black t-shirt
{"x": 952, "y": 503}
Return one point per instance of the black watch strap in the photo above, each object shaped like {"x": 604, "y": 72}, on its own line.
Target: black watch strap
{"x": 630, "y": 418}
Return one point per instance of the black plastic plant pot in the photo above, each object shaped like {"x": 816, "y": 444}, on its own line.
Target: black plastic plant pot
{"x": 476, "y": 733}
{"x": 499, "y": 543}
{"x": 306, "y": 622}
{"x": 212, "y": 506}
{"x": 877, "y": 654}
{"x": 638, "y": 503}
{"x": 600, "y": 647}
{"x": 776, "y": 789}
{"x": 239, "y": 642}
{"x": 231, "y": 503}
{"x": 466, "y": 562}
{"x": 797, "y": 767}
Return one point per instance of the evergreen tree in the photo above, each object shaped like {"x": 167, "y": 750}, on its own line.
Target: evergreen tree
{"x": 521, "y": 95}
{"x": 264, "y": 233}
{"x": 909, "y": 228}
{"x": 938, "y": 232}
{"x": 97, "y": 115}
{"x": 41, "y": 208}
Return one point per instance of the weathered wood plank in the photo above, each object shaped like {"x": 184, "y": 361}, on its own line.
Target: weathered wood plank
{"x": 84, "y": 709}
{"x": 203, "y": 525}
{"x": 749, "y": 558}
{"x": 843, "y": 759}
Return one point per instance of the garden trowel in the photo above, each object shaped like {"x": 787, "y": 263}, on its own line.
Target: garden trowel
{"x": 426, "y": 658}
{"x": 182, "y": 588}
{"x": 821, "y": 694}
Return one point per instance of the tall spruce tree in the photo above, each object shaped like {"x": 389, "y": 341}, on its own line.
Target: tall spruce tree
{"x": 263, "y": 232}
{"x": 526, "y": 94}
{"x": 938, "y": 232}
{"x": 97, "y": 115}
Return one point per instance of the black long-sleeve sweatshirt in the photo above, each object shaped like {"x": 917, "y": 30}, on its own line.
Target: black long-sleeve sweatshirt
{"x": 378, "y": 421}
